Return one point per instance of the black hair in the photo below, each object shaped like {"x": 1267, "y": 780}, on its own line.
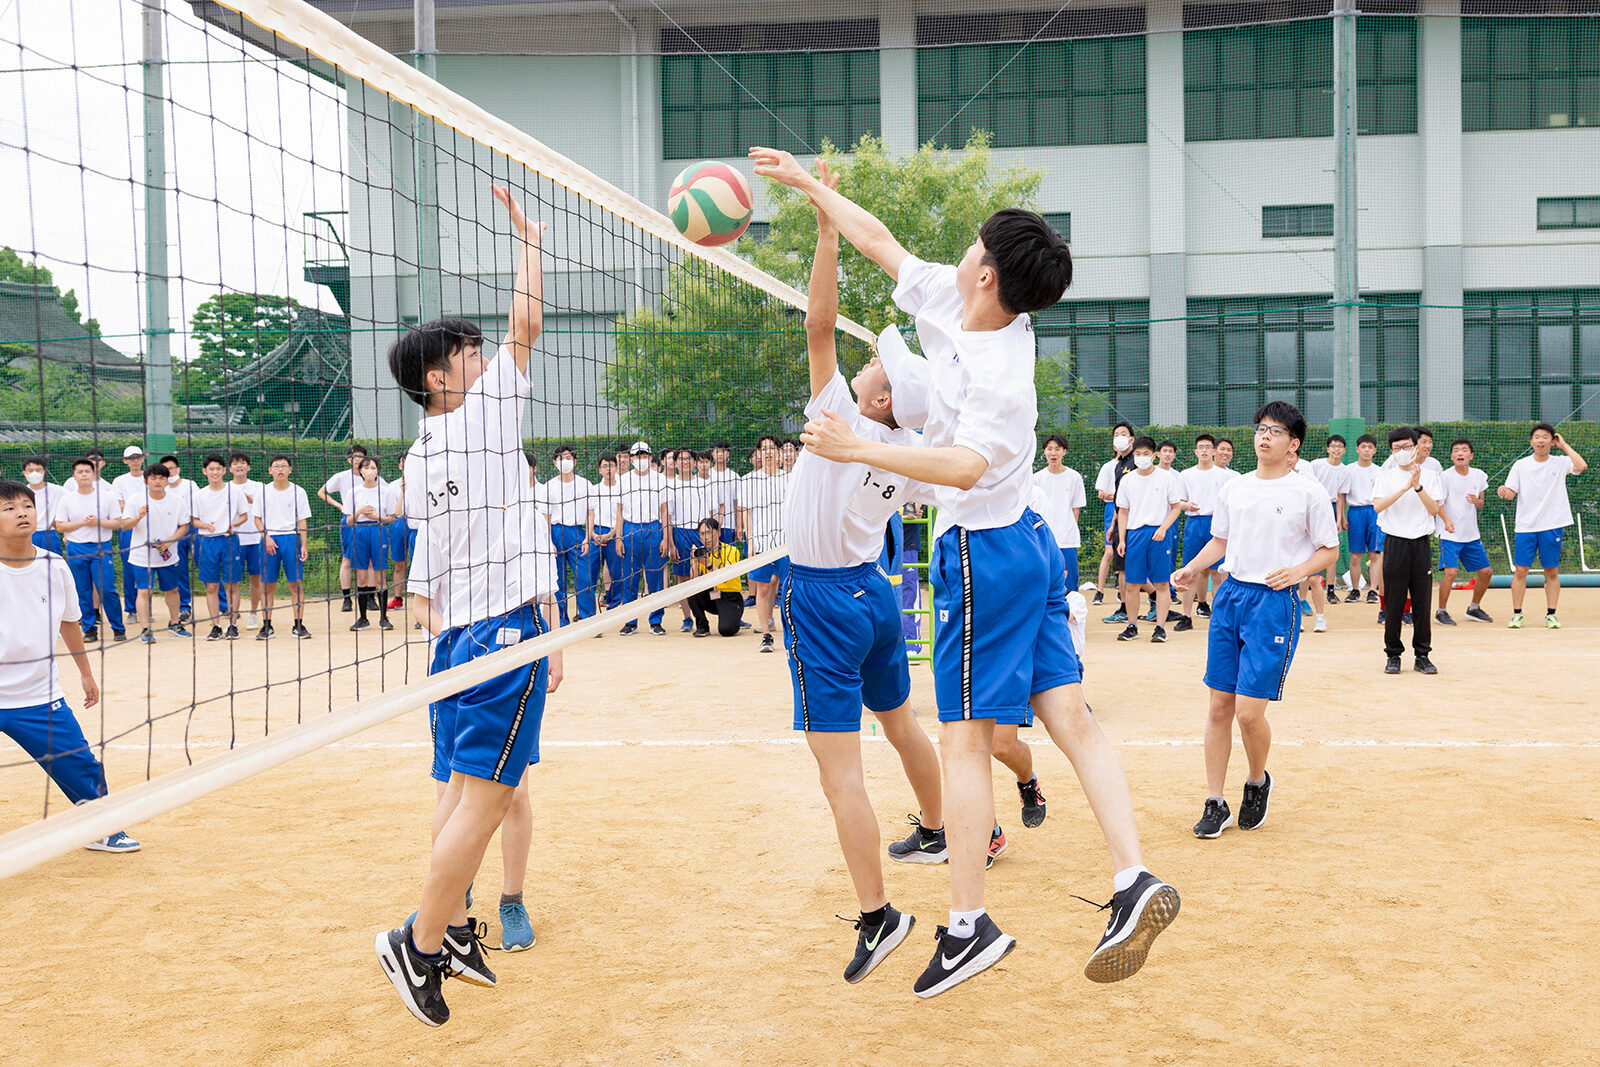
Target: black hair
{"x": 1056, "y": 439}
{"x": 711, "y": 522}
{"x": 1402, "y": 433}
{"x": 95, "y": 453}
{"x": 1545, "y": 426}
{"x": 764, "y": 438}
{"x": 356, "y": 450}
{"x": 722, "y": 445}
{"x": 1286, "y": 415}
{"x": 1336, "y": 437}
{"x": 213, "y": 458}
{"x": 368, "y": 459}
{"x": 791, "y": 441}
{"x": 29, "y": 461}
{"x": 1367, "y": 439}
{"x": 608, "y": 457}
{"x": 234, "y": 457}
{"x": 10, "y": 490}
{"x": 1205, "y": 437}
{"x": 1423, "y": 431}
{"x": 1121, "y": 426}
{"x": 157, "y": 470}
{"x": 283, "y": 457}
{"x": 1029, "y": 257}
{"x": 528, "y": 454}
{"x": 428, "y": 347}
{"x": 1227, "y": 441}
{"x": 1144, "y": 441}
{"x": 564, "y": 449}
{"x": 84, "y": 462}
{"x": 1461, "y": 441}
{"x": 1166, "y": 444}
{"x": 172, "y": 461}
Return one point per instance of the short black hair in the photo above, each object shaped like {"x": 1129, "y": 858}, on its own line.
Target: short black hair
{"x": 368, "y": 459}
{"x": 608, "y": 457}
{"x": 711, "y": 522}
{"x": 1144, "y": 441}
{"x": 1403, "y": 433}
{"x": 236, "y": 456}
{"x": 84, "y": 462}
{"x": 213, "y": 458}
{"x": 173, "y": 461}
{"x": 95, "y": 453}
{"x": 1462, "y": 441}
{"x": 1029, "y": 257}
{"x": 428, "y": 347}
{"x": 157, "y": 470}
{"x": 1227, "y": 441}
{"x": 1336, "y": 437}
{"x": 1166, "y": 444}
{"x": 791, "y": 441}
{"x": 1205, "y": 437}
{"x": 1122, "y": 426}
{"x": 722, "y": 445}
{"x": 1423, "y": 431}
{"x": 564, "y": 449}
{"x": 1284, "y": 414}
{"x": 1367, "y": 439}
{"x": 764, "y": 438}
{"x": 33, "y": 461}
{"x": 10, "y": 490}
{"x": 1056, "y": 439}
{"x": 356, "y": 450}
{"x": 1545, "y": 426}
{"x": 283, "y": 457}
{"x": 528, "y": 454}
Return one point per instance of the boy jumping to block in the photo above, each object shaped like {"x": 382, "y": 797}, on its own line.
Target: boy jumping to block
{"x": 1003, "y": 651}
{"x": 1538, "y": 483}
{"x": 1273, "y": 529}
{"x": 466, "y": 481}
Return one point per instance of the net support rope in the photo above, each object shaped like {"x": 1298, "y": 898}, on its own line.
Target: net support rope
{"x": 32, "y": 845}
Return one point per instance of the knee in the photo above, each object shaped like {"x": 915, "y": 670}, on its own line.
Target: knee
{"x": 1222, "y": 713}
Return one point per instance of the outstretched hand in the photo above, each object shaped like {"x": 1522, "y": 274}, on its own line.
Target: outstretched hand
{"x": 830, "y": 180}
{"x": 780, "y": 166}
{"x": 532, "y": 232}
{"x": 830, "y": 437}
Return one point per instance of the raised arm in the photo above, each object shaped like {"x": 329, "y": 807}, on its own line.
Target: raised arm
{"x": 857, "y": 225}
{"x": 527, "y": 294}
{"x": 1579, "y": 464}
{"x": 822, "y": 305}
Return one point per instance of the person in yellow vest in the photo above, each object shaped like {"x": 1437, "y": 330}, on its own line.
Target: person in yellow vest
{"x": 727, "y": 599}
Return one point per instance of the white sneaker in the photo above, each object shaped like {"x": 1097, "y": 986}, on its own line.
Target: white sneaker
{"x": 1320, "y": 625}
{"x": 252, "y": 622}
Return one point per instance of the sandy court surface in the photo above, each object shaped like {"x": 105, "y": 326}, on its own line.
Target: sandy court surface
{"x": 1420, "y": 894}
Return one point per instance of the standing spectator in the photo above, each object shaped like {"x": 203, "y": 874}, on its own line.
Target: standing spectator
{"x": 46, "y": 498}
{"x": 183, "y": 489}
{"x": 1330, "y": 471}
{"x": 1148, "y": 504}
{"x": 281, "y": 516}
{"x": 727, "y": 599}
{"x": 1407, "y": 498}
{"x": 1064, "y": 495}
{"x": 689, "y": 500}
{"x": 88, "y": 519}
{"x": 369, "y": 545}
{"x": 1538, "y": 483}
{"x": 606, "y": 505}
{"x": 1201, "y": 486}
{"x": 569, "y": 497}
{"x": 344, "y": 484}
{"x": 724, "y": 487}
{"x": 646, "y": 535}
{"x": 249, "y": 536}
{"x": 761, "y": 496}
{"x": 1366, "y": 539}
{"x": 1105, "y": 486}
{"x": 127, "y": 486}
{"x": 160, "y": 521}
{"x": 399, "y": 532}
{"x": 1465, "y": 487}
{"x": 1225, "y": 454}
{"x": 219, "y": 509}
{"x": 786, "y": 454}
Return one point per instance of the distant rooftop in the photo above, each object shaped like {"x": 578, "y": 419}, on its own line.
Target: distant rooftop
{"x": 32, "y": 316}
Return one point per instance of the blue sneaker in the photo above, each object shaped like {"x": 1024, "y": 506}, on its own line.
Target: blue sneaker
{"x": 1305, "y": 608}
{"x": 1116, "y": 616}
{"x": 147, "y": 638}
{"x": 117, "y": 842}
{"x": 1149, "y": 616}
{"x": 178, "y": 631}
{"x": 516, "y": 932}
{"x": 687, "y": 627}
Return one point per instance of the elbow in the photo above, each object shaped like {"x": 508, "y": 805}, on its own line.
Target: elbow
{"x": 971, "y": 469}
{"x": 821, "y": 322}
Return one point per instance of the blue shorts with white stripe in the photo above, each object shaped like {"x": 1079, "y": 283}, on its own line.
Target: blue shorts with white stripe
{"x": 489, "y": 730}
{"x": 1252, "y": 637}
{"x": 841, "y": 627}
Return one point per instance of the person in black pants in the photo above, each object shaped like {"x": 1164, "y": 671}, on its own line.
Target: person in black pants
{"x": 1407, "y": 499}
{"x": 727, "y": 599}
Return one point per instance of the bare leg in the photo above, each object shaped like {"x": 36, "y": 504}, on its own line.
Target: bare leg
{"x": 766, "y": 595}
{"x": 457, "y": 854}
{"x": 1256, "y": 732}
{"x": 1100, "y": 773}
{"x": 1219, "y": 741}
{"x": 344, "y": 573}
{"x": 839, "y": 767}
{"x": 1552, "y": 587}
{"x": 1355, "y": 572}
{"x": 297, "y": 597}
{"x": 1010, "y": 751}
{"x": 1480, "y": 585}
{"x": 920, "y": 761}
{"x": 969, "y": 793}
{"x": 143, "y": 604}
{"x": 1319, "y": 596}
{"x": 173, "y": 610}
{"x": 211, "y": 601}
{"x": 269, "y": 593}
{"x": 516, "y": 838}
{"x": 1163, "y": 601}
{"x": 1519, "y": 588}
{"x": 1375, "y": 567}
{"x": 1447, "y": 579}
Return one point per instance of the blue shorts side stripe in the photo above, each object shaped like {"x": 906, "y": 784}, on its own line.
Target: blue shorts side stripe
{"x": 794, "y": 652}
{"x": 534, "y": 678}
{"x": 966, "y": 624}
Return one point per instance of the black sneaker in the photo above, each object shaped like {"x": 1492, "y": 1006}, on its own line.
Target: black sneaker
{"x": 955, "y": 959}
{"x": 1380, "y": 617}
{"x": 1099, "y": 597}
{"x": 1393, "y": 666}
{"x": 91, "y": 635}
{"x": 1477, "y": 612}
{"x": 416, "y": 977}
{"x": 347, "y": 605}
{"x": 119, "y": 636}
{"x": 1129, "y": 634}
{"x": 384, "y": 623}
{"x": 265, "y": 632}
{"x": 466, "y": 953}
{"x": 1183, "y": 625}
{"x": 1442, "y": 617}
{"x": 1353, "y": 597}
{"x": 215, "y": 634}
{"x": 1215, "y": 819}
{"x": 299, "y": 630}
{"x": 232, "y": 632}
{"x": 702, "y": 631}
{"x": 1253, "y": 808}
{"x": 1203, "y": 610}
{"x": 361, "y": 624}
{"x": 884, "y": 939}
{"x": 657, "y": 629}
{"x": 767, "y": 643}
{"x": 1032, "y": 803}
{"x": 1159, "y": 636}
{"x": 1372, "y": 596}
{"x": 1424, "y": 665}
{"x": 997, "y": 845}
{"x": 1174, "y": 616}
{"x": 922, "y": 845}
{"x": 1138, "y": 914}
{"x": 185, "y": 617}
{"x": 629, "y": 629}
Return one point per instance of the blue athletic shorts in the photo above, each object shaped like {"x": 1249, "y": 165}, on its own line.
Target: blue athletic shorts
{"x": 369, "y": 546}
{"x": 219, "y": 560}
{"x": 1111, "y": 522}
{"x": 1364, "y": 533}
{"x": 1467, "y": 555}
{"x": 1148, "y": 560}
{"x": 396, "y": 533}
{"x": 490, "y": 730}
{"x": 346, "y": 539}
{"x": 1002, "y": 635}
{"x": 250, "y": 556}
{"x": 842, "y": 629}
{"x": 1069, "y": 563}
{"x": 1251, "y": 640}
{"x": 285, "y": 559}
{"x": 166, "y": 577}
{"x": 685, "y": 541}
{"x": 1546, "y": 544}
{"x": 769, "y": 572}
{"x": 1196, "y": 535}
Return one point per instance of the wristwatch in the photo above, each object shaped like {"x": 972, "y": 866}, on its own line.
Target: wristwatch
{"x": 1416, "y": 488}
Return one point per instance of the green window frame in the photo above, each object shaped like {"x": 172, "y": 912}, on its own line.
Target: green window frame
{"x": 1256, "y": 82}
{"x": 1043, "y": 93}
{"x": 1062, "y": 222}
{"x": 1104, "y": 348}
{"x": 1244, "y": 352}
{"x": 1529, "y": 73}
{"x": 718, "y": 106}
{"x": 1568, "y": 213}
{"x": 1297, "y": 220}
{"x": 1532, "y": 355}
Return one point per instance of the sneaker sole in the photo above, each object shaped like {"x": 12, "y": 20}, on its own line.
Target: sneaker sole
{"x": 942, "y": 856}
{"x": 976, "y": 965}
{"x": 391, "y": 971}
{"x": 1123, "y": 960}
{"x": 532, "y": 940}
{"x": 1033, "y": 821}
{"x": 477, "y": 978}
{"x": 1229, "y": 821}
{"x": 890, "y": 942}
{"x": 96, "y": 846}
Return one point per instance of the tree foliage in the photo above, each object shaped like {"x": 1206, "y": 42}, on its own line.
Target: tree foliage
{"x": 230, "y": 330}
{"x": 35, "y": 392}
{"x": 13, "y": 268}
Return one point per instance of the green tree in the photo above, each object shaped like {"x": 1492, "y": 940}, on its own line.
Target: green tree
{"x": 13, "y": 268}
{"x": 719, "y": 359}
{"x": 36, "y": 392}
{"x": 231, "y": 330}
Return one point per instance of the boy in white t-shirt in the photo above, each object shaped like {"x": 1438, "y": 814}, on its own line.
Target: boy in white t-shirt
{"x": 160, "y": 522}
{"x": 1149, "y": 502}
{"x": 1538, "y": 483}
{"x": 1361, "y": 521}
{"x": 219, "y": 510}
{"x": 88, "y": 519}
{"x": 1003, "y": 651}
{"x": 249, "y": 536}
{"x": 46, "y": 498}
{"x": 1200, "y": 485}
{"x": 1330, "y": 471}
{"x": 127, "y": 486}
{"x": 281, "y": 515}
{"x": 1460, "y": 544}
{"x": 1064, "y": 495}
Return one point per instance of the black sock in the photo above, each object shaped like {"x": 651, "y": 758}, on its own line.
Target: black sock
{"x": 346, "y": 590}
{"x": 1549, "y": 611}
{"x": 871, "y": 920}
{"x": 510, "y": 898}
{"x": 361, "y": 600}
{"x": 382, "y": 599}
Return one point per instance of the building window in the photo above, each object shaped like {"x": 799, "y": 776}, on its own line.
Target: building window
{"x": 716, "y": 106}
{"x": 1104, "y": 351}
{"x": 1243, "y": 353}
{"x": 1044, "y": 93}
{"x": 1569, "y": 212}
{"x": 1277, "y": 81}
{"x": 758, "y": 231}
{"x": 1532, "y": 355}
{"x": 1529, "y": 74}
{"x": 1062, "y": 222}
{"x": 1307, "y": 220}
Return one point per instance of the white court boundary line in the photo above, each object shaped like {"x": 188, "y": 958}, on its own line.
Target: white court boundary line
{"x": 727, "y": 742}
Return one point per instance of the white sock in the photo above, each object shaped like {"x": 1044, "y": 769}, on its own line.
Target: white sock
{"x": 1124, "y": 879}
{"x": 964, "y": 924}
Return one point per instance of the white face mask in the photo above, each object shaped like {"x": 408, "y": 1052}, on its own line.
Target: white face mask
{"x": 564, "y": 465}
{"x": 1121, "y": 442}
{"x": 35, "y": 477}
{"x": 1405, "y": 456}
{"x": 1144, "y": 463}
{"x": 641, "y": 465}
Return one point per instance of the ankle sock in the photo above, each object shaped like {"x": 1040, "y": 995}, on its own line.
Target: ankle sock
{"x": 871, "y": 920}
{"x": 1549, "y": 611}
{"x": 510, "y": 898}
{"x": 1125, "y": 878}
{"x": 346, "y": 591}
{"x": 964, "y": 924}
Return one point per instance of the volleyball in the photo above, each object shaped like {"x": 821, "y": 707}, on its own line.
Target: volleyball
{"x": 710, "y": 204}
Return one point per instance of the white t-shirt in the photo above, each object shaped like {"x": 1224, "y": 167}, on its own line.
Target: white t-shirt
{"x": 1358, "y": 483}
{"x": 1270, "y": 524}
{"x": 47, "y": 498}
{"x": 569, "y": 502}
{"x": 834, "y": 514}
{"x": 184, "y": 490}
{"x": 1059, "y": 494}
{"x": 762, "y": 495}
{"x": 1148, "y": 497}
{"x": 1202, "y": 487}
{"x": 605, "y": 499}
{"x": 1541, "y": 493}
{"x": 642, "y": 496}
{"x": 689, "y": 500}
{"x": 220, "y": 507}
{"x": 101, "y": 501}
{"x": 392, "y": 500}
{"x": 127, "y": 486}
{"x": 367, "y": 496}
{"x": 38, "y": 598}
{"x": 280, "y": 510}
{"x": 1406, "y": 517}
{"x": 247, "y": 532}
{"x": 981, "y": 396}
{"x": 1331, "y": 475}
{"x": 1463, "y": 515}
{"x": 344, "y": 485}
{"x": 160, "y": 522}
{"x": 1429, "y": 464}
{"x": 725, "y": 492}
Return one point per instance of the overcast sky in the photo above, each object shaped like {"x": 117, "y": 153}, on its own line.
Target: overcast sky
{"x": 251, "y": 146}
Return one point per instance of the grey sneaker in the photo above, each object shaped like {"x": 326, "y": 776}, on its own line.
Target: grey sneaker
{"x": 1442, "y": 617}
{"x": 1477, "y": 612}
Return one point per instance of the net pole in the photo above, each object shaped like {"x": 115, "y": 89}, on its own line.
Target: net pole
{"x": 158, "y": 331}
{"x": 425, "y": 170}
{"x": 1346, "y": 274}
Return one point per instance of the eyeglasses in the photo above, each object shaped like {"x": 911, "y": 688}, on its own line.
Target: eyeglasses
{"x": 1271, "y": 431}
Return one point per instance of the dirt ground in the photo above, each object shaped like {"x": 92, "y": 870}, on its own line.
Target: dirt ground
{"x": 1421, "y": 894}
